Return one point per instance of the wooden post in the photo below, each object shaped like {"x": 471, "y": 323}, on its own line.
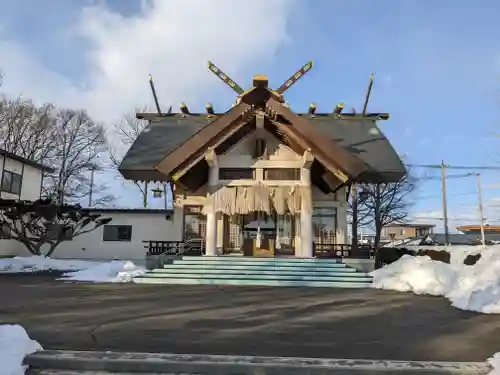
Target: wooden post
{"x": 354, "y": 218}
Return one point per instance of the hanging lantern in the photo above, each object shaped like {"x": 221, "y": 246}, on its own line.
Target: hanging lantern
{"x": 157, "y": 192}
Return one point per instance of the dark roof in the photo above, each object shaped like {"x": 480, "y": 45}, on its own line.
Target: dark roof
{"x": 360, "y": 136}
{"x": 410, "y": 225}
{"x": 20, "y": 159}
{"x": 156, "y": 141}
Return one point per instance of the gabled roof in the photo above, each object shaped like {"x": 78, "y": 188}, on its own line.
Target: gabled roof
{"x": 338, "y": 156}
{"x": 158, "y": 139}
{"x": 29, "y": 162}
{"x": 361, "y": 137}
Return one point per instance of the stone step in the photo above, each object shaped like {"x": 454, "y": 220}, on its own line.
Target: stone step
{"x": 102, "y": 363}
{"x": 270, "y": 264}
{"x": 259, "y": 259}
{"x": 257, "y": 276}
{"x": 149, "y": 279}
{"x": 171, "y": 269}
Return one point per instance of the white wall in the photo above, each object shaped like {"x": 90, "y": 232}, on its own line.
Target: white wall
{"x": 145, "y": 226}
{"x": 32, "y": 183}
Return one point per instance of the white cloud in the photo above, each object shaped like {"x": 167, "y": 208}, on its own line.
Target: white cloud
{"x": 170, "y": 39}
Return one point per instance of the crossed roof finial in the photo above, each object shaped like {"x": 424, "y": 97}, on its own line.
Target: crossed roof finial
{"x": 260, "y": 79}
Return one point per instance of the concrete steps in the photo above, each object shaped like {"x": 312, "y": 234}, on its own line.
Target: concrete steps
{"x": 60, "y": 362}
{"x": 227, "y": 270}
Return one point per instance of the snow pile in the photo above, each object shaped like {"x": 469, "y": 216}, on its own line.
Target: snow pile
{"x": 474, "y": 288}
{"x": 494, "y": 362}
{"x": 41, "y": 263}
{"x": 111, "y": 272}
{"x": 15, "y": 344}
{"x": 104, "y": 272}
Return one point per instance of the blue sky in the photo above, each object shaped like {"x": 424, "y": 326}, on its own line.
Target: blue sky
{"x": 436, "y": 65}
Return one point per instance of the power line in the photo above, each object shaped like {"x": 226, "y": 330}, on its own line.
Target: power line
{"x": 447, "y": 166}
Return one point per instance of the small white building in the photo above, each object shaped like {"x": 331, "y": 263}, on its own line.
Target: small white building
{"x": 122, "y": 238}
{"x": 20, "y": 178}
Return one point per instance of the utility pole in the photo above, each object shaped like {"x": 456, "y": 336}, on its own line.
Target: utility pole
{"x": 445, "y": 208}
{"x": 480, "y": 198}
{"x": 92, "y": 169}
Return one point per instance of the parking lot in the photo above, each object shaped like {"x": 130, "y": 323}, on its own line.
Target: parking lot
{"x": 305, "y": 322}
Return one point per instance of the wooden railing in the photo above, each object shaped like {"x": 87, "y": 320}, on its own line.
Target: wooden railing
{"x": 196, "y": 247}
{"x": 342, "y": 251}
{"x": 193, "y": 247}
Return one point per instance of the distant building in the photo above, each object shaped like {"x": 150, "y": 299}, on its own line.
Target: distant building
{"x": 402, "y": 231}
{"x": 20, "y": 178}
{"x": 491, "y": 232}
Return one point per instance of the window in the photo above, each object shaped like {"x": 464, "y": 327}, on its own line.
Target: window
{"x": 117, "y": 233}
{"x": 236, "y": 174}
{"x": 276, "y": 174}
{"x": 4, "y": 231}
{"x": 11, "y": 182}
{"x": 195, "y": 222}
{"x": 324, "y": 225}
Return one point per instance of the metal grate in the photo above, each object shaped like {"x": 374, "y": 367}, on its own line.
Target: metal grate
{"x": 236, "y": 174}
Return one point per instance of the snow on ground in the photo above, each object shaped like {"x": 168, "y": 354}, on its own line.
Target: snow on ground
{"x": 494, "y": 362}
{"x": 111, "y": 272}
{"x": 474, "y": 288}
{"x": 15, "y": 344}
{"x": 117, "y": 271}
{"x": 41, "y": 263}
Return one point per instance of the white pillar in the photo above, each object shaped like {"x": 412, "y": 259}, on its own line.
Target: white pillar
{"x": 213, "y": 180}
{"x": 306, "y": 229}
{"x": 211, "y": 235}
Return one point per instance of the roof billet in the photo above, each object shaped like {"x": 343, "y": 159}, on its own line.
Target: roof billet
{"x": 151, "y": 116}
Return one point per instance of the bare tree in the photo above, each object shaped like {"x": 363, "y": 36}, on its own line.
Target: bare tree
{"x": 44, "y": 224}
{"x": 79, "y": 143}
{"x": 388, "y": 203}
{"x": 67, "y": 140}
{"x": 26, "y": 129}
{"x": 359, "y": 212}
{"x": 127, "y": 131}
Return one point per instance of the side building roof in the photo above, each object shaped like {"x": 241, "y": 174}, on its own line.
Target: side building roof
{"x": 29, "y": 162}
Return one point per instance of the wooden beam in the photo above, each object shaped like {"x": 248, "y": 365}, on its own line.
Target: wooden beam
{"x": 307, "y": 158}
{"x": 259, "y": 120}
{"x": 312, "y": 109}
{"x": 211, "y": 157}
{"x": 332, "y": 181}
{"x": 203, "y": 137}
{"x": 338, "y": 109}
{"x": 185, "y": 167}
{"x": 290, "y": 133}
{"x": 331, "y": 154}
{"x": 339, "y": 175}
